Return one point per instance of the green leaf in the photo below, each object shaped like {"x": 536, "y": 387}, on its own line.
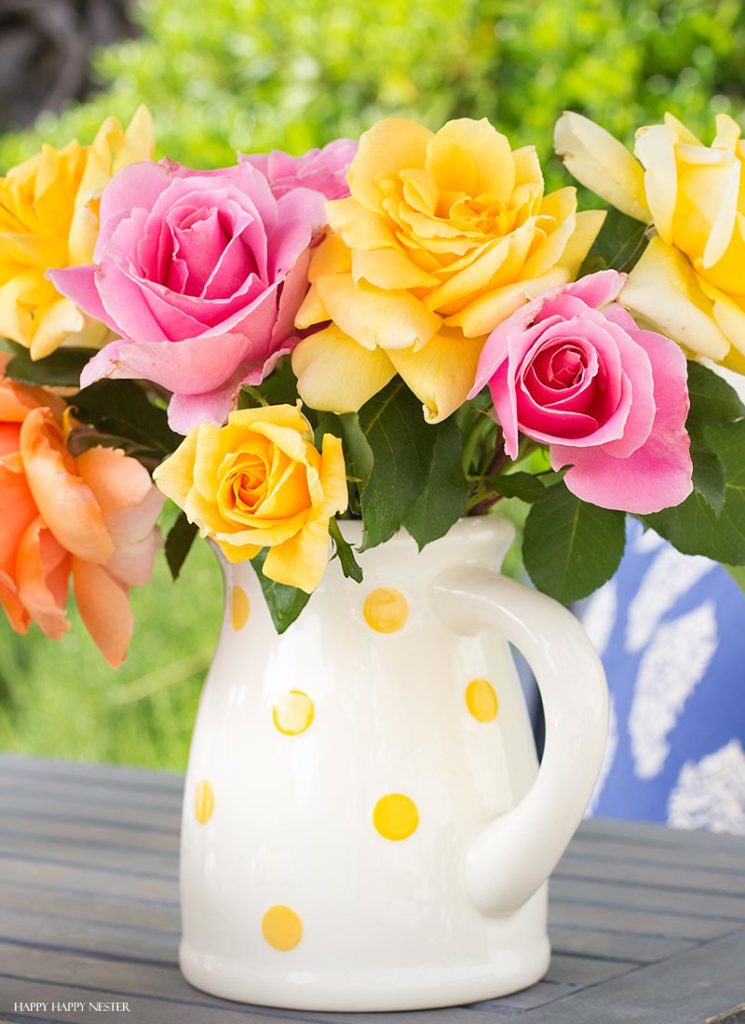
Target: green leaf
{"x": 737, "y": 572}
{"x": 178, "y": 543}
{"x": 358, "y": 455}
{"x": 357, "y": 451}
{"x": 284, "y": 603}
{"x": 442, "y": 502}
{"x": 401, "y": 443}
{"x": 712, "y": 399}
{"x": 279, "y": 388}
{"x": 345, "y": 553}
{"x": 708, "y": 477}
{"x": 122, "y": 408}
{"x": 571, "y": 548}
{"x": 519, "y": 485}
{"x": 61, "y": 369}
{"x": 695, "y": 527}
{"x": 619, "y": 245}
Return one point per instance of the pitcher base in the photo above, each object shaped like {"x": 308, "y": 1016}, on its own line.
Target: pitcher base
{"x": 375, "y": 990}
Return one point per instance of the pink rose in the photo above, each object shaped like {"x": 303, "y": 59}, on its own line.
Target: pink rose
{"x": 200, "y": 273}
{"x": 324, "y": 170}
{"x": 609, "y": 399}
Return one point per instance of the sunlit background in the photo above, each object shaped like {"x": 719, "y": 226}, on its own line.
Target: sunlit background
{"x": 227, "y": 75}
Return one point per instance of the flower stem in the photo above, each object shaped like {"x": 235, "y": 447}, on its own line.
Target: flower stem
{"x": 498, "y": 460}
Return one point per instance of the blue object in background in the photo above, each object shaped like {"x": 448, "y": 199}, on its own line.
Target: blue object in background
{"x": 671, "y": 631}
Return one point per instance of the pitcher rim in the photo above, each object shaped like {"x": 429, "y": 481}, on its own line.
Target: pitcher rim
{"x": 491, "y": 526}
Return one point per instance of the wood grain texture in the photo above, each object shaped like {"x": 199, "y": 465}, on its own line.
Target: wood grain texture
{"x": 647, "y": 924}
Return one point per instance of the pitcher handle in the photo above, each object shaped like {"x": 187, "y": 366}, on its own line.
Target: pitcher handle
{"x": 516, "y": 852}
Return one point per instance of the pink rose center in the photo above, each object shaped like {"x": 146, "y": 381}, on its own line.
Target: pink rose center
{"x": 564, "y": 376}
{"x": 200, "y": 251}
{"x": 561, "y": 367}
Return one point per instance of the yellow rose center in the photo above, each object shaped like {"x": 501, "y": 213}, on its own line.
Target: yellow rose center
{"x": 247, "y": 480}
{"x": 259, "y": 481}
{"x": 440, "y": 227}
{"x": 485, "y": 214}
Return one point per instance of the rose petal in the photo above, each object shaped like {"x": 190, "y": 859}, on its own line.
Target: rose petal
{"x": 301, "y": 560}
{"x": 664, "y": 290}
{"x": 659, "y": 474}
{"x": 598, "y": 289}
{"x": 441, "y": 373}
{"x": 66, "y": 504}
{"x": 336, "y": 374}
{"x": 79, "y": 284}
{"x": 601, "y": 163}
{"x": 135, "y": 187}
{"x": 103, "y": 604}
{"x": 42, "y": 572}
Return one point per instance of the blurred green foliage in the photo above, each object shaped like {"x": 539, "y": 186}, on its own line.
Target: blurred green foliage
{"x": 256, "y": 74}
{"x": 61, "y": 699}
{"x": 250, "y": 75}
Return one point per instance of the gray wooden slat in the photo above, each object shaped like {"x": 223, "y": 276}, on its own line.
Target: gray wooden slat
{"x": 75, "y": 793}
{"x": 60, "y": 904}
{"x": 645, "y": 833}
{"x": 18, "y": 1018}
{"x": 116, "y": 774}
{"x": 145, "y": 1009}
{"x": 726, "y": 860}
{"x": 121, "y": 977}
{"x": 614, "y": 945}
{"x": 657, "y": 876}
{"x": 126, "y": 943}
{"x": 444, "y": 1015}
{"x": 106, "y": 836}
{"x": 131, "y": 861}
{"x": 688, "y": 989}
{"x": 582, "y": 971}
{"x": 542, "y": 994}
{"x": 130, "y": 817}
{"x": 636, "y": 922}
{"x": 88, "y": 880}
{"x": 609, "y": 894}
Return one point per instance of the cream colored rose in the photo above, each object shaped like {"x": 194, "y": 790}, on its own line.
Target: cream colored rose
{"x": 690, "y": 281}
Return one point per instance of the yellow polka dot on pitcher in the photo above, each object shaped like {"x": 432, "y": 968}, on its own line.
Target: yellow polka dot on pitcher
{"x": 204, "y": 801}
{"x": 293, "y": 713}
{"x": 282, "y": 928}
{"x": 481, "y": 700}
{"x": 386, "y": 610}
{"x": 240, "y": 607}
{"x": 395, "y": 816}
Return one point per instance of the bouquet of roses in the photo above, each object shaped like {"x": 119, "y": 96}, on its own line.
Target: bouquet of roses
{"x": 407, "y": 330}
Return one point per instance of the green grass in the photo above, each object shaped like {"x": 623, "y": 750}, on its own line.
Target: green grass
{"x": 61, "y": 699}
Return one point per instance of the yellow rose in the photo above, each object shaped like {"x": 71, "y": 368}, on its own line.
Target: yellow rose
{"x": 443, "y": 236}
{"x": 690, "y": 281}
{"x": 259, "y": 482}
{"x": 49, "y": 219}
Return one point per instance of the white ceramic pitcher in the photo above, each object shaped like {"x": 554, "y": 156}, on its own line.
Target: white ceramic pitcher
{"x": 365, "y": 826}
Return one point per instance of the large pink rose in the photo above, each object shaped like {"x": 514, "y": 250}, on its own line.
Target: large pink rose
{"x": 609, "y": 399}
{"x": 324, "y": 170}
{"x": 200, "y": 274}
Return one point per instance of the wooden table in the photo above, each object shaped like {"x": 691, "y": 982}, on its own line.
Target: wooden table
{"x": 647, "y": 924}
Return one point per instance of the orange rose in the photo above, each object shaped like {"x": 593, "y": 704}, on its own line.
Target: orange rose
{"x": 91, "y": 517}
